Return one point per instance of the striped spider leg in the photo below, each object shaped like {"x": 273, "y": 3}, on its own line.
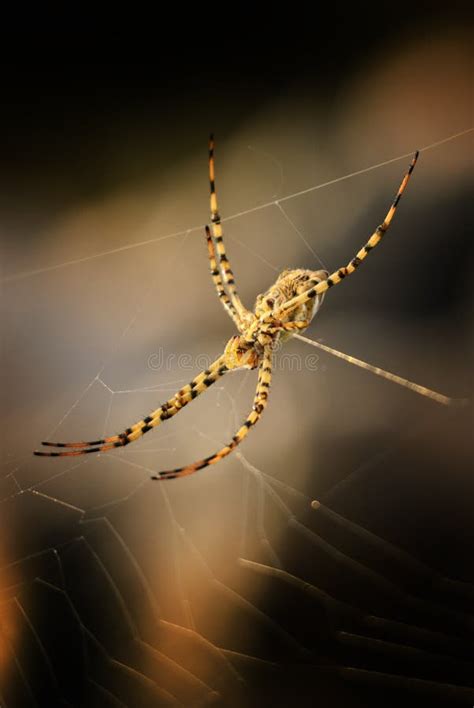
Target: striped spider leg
{"x": 318, "y": 288}
{"x": 167, "y": 410}
{"x": 217, "y": 280}
{"x": 220, "y": 267}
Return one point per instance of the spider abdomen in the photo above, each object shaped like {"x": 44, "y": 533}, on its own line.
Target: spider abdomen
{"x": 289, "y": 284}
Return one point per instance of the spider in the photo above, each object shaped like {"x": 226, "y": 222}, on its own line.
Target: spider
{"x": 285, "y": 309}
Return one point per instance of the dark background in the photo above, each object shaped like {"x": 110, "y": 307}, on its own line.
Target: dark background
{"x": 95, "y": 156}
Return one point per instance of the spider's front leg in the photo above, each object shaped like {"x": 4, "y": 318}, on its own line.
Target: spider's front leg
{"x": 317, "y": 287}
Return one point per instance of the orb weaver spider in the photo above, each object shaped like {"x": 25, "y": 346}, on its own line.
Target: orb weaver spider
{"x": 286, "y": 308}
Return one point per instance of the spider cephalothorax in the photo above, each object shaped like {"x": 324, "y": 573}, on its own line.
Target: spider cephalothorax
{"x": 288, "y": 306}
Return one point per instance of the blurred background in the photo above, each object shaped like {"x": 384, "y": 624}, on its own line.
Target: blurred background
{"x": 230, "y": 587}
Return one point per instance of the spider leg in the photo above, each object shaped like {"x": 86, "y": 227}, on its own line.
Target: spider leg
{"x": 167, "y": 410}
{"x": 217, "y": 280}
{"x": 297, "y": 324}
{"x": 224, "y": 265}
{"x": 259, "y": 403}
{"x": 317, "y": 287}
{"x": 417, "y": 388}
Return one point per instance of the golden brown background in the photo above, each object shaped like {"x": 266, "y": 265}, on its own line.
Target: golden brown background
{"x": 118, "y": 591}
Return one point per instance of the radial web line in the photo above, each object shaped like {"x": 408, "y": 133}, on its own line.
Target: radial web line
{"x": 301, "y": 235}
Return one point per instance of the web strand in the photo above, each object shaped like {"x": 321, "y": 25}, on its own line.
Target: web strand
{"x": 301, "y": 235}
{"x": 276, "y": 202}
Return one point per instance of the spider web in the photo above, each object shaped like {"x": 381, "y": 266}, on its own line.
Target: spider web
{"x": 289, "y": 555}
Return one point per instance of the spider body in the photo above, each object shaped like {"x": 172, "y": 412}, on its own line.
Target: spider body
{"x": 290, "y": 284}
{"x": 286, "y": 308}
{"x": 263, "y": 329}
